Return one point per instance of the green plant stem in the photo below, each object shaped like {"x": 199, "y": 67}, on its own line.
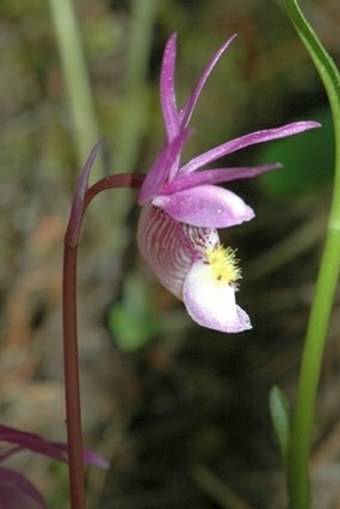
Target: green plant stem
{"x": 298, "y": 470}
{"x": 76, "y": 76}
{"x": 301, "y": 437}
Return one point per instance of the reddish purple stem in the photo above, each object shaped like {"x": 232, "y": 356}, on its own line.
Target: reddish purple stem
{"x": 83, "y": 196}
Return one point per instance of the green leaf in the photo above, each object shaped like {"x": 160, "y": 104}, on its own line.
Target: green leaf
{"x": 281, "y": 419}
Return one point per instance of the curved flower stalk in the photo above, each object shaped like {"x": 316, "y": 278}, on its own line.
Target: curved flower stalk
{"x": 16, "y": 492}
{"x": 182, "y": 207}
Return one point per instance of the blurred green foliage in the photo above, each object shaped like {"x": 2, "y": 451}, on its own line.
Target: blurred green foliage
{"x": 131, "y": 321}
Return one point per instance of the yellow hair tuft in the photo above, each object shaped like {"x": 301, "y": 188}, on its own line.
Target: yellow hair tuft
{"x": 224, "y": 264}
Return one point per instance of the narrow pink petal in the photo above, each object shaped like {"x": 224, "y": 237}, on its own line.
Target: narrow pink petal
{"x": 211, "y": 303}
{"x": 167, "y": 89}
{"x": 90, "y": 457}
{"x": 190, "y": 105}
{"x": 208, "y": 206}
{"x": 245, "y": 141}
{"x": 215, "y": 176}
{"x": 55, "y": 450}
{"x": 159, "y": 172}
{"x": 16, "y": 492}
{"x": 32, "y": 442}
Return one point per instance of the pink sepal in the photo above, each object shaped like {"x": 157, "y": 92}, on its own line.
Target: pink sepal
{"x": 167, "y": 89}
{"x": 159, "y": 172}
{"x": 194, "y": 96}
{"x": 215, "y": 176}
{"x": 246, "y": 141}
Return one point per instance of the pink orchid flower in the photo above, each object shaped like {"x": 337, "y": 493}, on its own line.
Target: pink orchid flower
{"x": 182, "y": 208}
{"x": 16, "y": 492}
